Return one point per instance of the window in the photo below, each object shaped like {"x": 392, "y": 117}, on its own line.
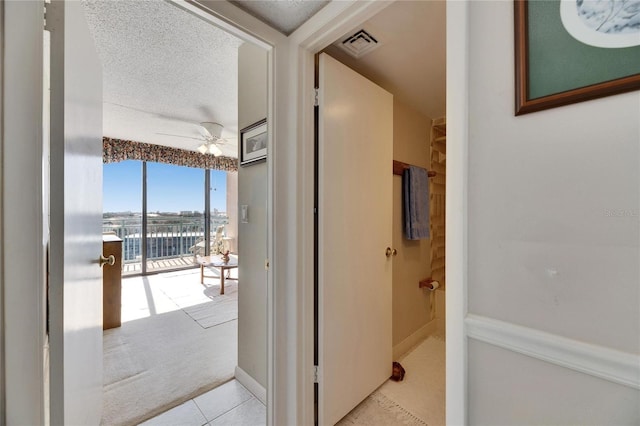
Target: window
{"x": 176, "y": 213}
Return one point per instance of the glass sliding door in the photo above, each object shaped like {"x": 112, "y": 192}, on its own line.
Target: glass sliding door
{"x": 175, "y": 216}
{"x": 122, "y": 210}
{"x": 219, "y": 218}
{"x": 172, "y": 205}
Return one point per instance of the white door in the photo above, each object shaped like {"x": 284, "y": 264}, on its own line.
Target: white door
{"x": 75, "y": 277}
{"x": 355, "y": 138}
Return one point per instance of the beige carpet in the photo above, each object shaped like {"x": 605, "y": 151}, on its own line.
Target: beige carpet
{"x": 159, "y": 361}
{"x": 417, "y": 400}
{"x": 220, "y": 309}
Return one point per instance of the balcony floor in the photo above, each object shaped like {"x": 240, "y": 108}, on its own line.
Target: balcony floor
{"x": 159, "y": 265}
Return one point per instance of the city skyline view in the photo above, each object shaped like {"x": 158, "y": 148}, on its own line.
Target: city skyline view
{"x": 170, "y": 188}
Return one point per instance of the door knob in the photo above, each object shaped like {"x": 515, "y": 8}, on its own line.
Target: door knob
{"x": 111, "y": 260}
{"x": 388, "y": 252}
{"x": 394, "y": 252}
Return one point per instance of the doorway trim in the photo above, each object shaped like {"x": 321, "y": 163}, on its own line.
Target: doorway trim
{"x": 321, "y": 30}
{"x": 456, "y": 248}
{"x": 23, "y": 272}
{"x": 281, "y": 201}
{"x": 290, "y": 292}
{"x": 23, "y": 267}
{"x": 235, "y": 21}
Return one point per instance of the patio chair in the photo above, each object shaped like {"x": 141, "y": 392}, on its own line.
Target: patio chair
{"x": 216, "y": 247}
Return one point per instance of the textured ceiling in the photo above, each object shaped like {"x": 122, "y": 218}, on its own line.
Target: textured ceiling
{"x": 410, "y": 62}
{"x": 164, "y": 71}
{"x": 284, "y": 15}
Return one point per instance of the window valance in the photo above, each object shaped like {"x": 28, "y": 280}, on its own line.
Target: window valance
{"x": 116, "y": 150}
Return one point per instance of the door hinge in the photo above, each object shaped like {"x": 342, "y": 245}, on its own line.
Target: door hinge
{"x": 316, "y": 373}
{"x": 46, "y": 28}
{"x": 316, "y": 102}
{"x": 266, "y": 264}
{"x": 51, "y": 15}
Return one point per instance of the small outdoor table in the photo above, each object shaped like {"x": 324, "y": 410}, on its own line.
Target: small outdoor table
{"x": 216, "y": 262}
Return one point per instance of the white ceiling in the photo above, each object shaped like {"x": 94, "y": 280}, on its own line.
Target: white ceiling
{"x": 410, "y": 62}
{"x": 283, "y": 15}
{"x": 164, "y": 71}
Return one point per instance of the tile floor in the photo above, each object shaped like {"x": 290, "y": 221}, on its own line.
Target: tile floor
{"x": 230, "y": 405}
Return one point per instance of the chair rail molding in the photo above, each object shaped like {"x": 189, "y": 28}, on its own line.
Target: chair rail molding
{"x": 599, "y": 361}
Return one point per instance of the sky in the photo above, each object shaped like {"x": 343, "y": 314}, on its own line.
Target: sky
{"x": 169, "y": 188}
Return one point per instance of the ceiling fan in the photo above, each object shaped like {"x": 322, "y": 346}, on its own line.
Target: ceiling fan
{"x": 211, "y": 138}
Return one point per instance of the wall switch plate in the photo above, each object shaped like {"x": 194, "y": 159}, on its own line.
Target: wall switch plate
{"x": 244, "y": 213}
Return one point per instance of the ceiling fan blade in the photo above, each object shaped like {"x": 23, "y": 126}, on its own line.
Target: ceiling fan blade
{"x": 180, "y": 136}
{"x": 153, "y": 114}
{"x": 213, "y": 149}
{"x": 205, "y": 133}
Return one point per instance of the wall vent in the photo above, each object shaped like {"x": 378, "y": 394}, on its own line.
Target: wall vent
{"x": 359, "y": 43}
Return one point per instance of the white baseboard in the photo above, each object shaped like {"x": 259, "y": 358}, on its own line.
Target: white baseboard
{"x": 599, "y": 361}
{"x": 415, "y": 338}
{"x": 251, "y": 384}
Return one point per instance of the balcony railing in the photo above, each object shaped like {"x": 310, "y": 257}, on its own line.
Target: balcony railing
{"x": 167, "y": 238}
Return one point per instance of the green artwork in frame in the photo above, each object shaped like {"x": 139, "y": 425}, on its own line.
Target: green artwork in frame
{"x": 569, "y": 51}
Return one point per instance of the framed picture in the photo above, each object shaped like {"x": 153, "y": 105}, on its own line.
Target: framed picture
{"x": 570, "y": 51}
{"x": 253, "y": 143}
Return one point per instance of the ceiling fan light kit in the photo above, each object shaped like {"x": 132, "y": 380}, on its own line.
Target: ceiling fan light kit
{"x": 212, "y": 133}
{"x": 211, "y": 138}
{"x": 213, "y": 149}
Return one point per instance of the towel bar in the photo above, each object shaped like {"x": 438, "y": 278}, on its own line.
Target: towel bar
{"x": 399, "y": 166}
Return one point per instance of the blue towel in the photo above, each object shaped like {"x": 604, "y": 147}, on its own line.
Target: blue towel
{"x": 416, "y": 203}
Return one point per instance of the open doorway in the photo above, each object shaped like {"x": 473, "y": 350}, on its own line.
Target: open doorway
{"x": 401, "y": 50}
{"x": 179, "y": 96}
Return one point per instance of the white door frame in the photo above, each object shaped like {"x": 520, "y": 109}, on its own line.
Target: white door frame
{"x": 457, "y": 209}
{"x": 290, "y": 174}
{"x": 325, "y": 27}
{"x": 23, "y": 233}
{"x": 235, "y": 21}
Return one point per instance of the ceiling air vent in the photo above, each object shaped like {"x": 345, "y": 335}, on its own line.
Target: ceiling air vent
{"x": 359, "y": 44}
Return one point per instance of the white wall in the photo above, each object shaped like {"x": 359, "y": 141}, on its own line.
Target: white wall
{"x": 413, "y": 307}
{"x": 545, "y": 395}
{"x": 231, "y": 230}
{"x": 543, "y": 250}
{"x": 252, "y": 242}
